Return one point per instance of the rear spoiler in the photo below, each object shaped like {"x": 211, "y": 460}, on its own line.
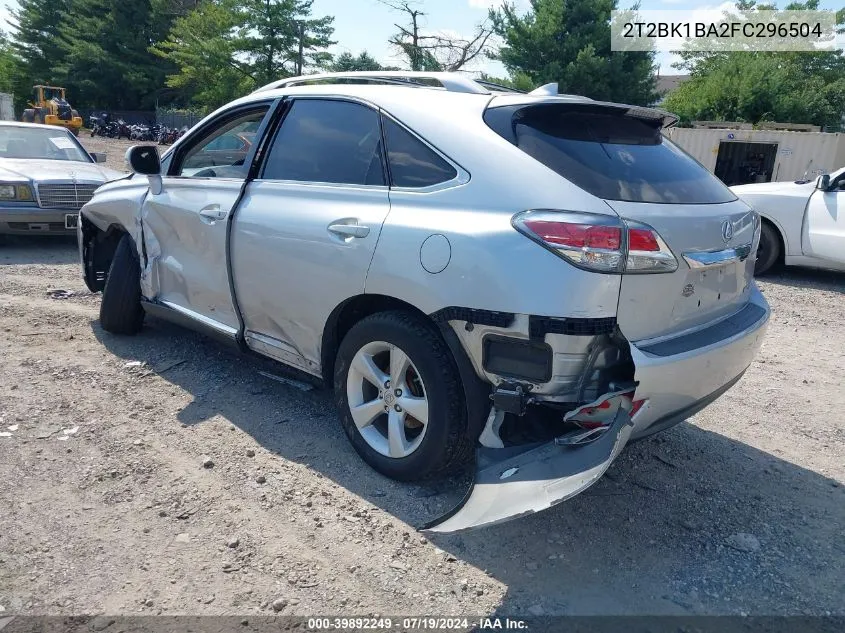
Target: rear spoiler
{"x": 507, "y": 105}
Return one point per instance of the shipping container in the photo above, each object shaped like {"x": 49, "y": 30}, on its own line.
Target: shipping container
{"x": 739, "y": 156}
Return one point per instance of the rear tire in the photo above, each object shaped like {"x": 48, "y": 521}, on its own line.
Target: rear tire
{"x": 120, "y": 309}
{"x": 28, "y": 116}
{"x": 769, "y": 250}
{"x": 442, "y": 445}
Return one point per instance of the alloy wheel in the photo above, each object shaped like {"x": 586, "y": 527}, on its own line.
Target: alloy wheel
{"x": 387, "y": 399}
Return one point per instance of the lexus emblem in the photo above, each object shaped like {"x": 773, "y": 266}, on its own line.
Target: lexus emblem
{"x": 727, "y": 231}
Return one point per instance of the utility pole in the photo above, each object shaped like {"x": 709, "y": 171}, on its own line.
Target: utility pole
{"x": 300, "y": 58}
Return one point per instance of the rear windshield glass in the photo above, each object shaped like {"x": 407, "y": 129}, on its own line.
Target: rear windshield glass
{"x": 615, "y": 157}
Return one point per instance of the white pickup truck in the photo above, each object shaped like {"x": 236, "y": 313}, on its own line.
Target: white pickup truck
{"x": 803, "y": 222}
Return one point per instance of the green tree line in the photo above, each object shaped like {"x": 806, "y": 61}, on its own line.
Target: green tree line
{"x": 203, "y": 53}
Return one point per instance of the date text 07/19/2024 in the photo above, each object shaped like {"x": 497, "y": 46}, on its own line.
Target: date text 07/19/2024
{"x": 418, "y": 623}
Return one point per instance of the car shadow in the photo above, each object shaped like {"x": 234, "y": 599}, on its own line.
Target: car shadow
{"x": 809, "y": 278}
{"x": 688, "y": 522}
{"x": 41, "y": 249}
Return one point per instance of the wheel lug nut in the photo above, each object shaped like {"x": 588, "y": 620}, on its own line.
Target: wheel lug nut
{"x": 398, "y": 392}
{"x": 387, "y": 384}
{"x": 398, "y": 408}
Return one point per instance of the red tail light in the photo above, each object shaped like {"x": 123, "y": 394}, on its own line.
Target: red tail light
{"x": 599, "y": 243}
{"x": 642, "y": 240}
{"x": 576, "y": 235}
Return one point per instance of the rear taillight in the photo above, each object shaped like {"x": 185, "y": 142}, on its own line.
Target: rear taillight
{"x": 600, "y": 243}
{"x": 646, "y": 251}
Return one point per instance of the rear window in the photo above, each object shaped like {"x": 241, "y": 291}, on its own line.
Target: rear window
{"x": 412, "y": 164}
{"x": 615, "y": 157}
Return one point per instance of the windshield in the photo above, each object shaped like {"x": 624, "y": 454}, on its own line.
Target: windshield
{"x": 615, "y": 157}
{"x": 39, "y": 143}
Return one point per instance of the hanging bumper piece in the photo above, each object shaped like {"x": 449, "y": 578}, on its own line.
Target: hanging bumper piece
{"x": 515, "y": 481}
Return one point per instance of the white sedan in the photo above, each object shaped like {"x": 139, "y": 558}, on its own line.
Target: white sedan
{"x": 803, "y": 222}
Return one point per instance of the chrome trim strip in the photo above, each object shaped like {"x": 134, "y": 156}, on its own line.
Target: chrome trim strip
{"x": 713, "y": 259}
{"x": 214, "y": 325}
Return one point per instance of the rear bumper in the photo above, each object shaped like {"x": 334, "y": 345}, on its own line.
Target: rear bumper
{"x": 32, "y": 221}
{"x": 679, "y": 385}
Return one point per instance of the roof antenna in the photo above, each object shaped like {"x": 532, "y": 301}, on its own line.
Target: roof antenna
{"x": 548, "y": 90}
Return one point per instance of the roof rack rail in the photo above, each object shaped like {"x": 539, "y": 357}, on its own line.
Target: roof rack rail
{"x": 451, "y": 82}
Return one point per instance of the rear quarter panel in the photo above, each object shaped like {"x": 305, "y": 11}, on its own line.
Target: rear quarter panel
{"x": 491, "y": 265}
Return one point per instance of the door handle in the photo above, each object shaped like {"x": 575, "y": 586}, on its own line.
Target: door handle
{"x": 213, "y": 212}
{"x": 342, "y": 229}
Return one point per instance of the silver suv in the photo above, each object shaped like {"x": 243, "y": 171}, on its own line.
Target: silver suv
{"x": 540, "y": 277}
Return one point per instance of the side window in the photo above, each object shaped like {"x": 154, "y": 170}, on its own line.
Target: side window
{"x": 222, "y": 152}
{"x": 412, "y": 162}
{"x": 327, "y": 141}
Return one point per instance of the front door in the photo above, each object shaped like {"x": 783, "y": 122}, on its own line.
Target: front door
{"x": 185, "y": 225}
{"x": 824, "y": 227}
{"x": 305, "y": 233}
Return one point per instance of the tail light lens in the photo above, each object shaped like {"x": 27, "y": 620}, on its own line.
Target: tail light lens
{"x": 599, "y": 243}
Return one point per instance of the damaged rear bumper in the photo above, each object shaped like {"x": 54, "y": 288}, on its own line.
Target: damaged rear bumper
{"x": 512, "y": 482}
{"x": 675, "y": 379}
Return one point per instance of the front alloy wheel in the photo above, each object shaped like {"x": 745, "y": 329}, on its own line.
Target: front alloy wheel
{"x": 387, "y": 399}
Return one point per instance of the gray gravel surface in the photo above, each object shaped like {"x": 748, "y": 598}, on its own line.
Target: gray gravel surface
{"x": 161, "y": 473}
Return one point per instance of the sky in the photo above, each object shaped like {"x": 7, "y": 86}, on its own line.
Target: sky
{"x": 367, "y": 24}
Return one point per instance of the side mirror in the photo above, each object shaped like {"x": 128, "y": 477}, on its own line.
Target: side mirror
{"x": 823, "y": 182}
{"x": 99, "y": 157}
{"x": 143, "y": 159}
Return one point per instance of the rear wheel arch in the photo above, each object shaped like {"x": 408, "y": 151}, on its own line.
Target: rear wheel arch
{"x": 345, "y": 316}
{"x": 354, "y": 309}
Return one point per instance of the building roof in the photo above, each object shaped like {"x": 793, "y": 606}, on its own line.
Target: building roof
{"x": 667, "y": 83}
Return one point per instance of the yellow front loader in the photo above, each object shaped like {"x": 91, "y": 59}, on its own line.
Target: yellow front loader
{"x": 50, "y": 106}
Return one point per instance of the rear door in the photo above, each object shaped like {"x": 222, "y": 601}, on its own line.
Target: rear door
{"x": 185, "y": 224}
{"x": 306, "y": 230}
{"x": 621, "y": 156}
{"x": 824, "y": 227}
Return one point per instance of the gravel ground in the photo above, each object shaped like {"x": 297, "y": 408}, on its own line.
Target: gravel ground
{"x": 162, "y": 474}
{"x": 114, "y": 149}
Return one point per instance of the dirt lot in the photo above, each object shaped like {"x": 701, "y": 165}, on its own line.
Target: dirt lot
{"x": 107, "y": 507}
{"x": 114, "y": 149}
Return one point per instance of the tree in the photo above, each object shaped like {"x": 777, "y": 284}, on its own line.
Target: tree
{"x": 280, "y": 38}
{"x": 10, "y": 65}
{"x": 35, "y": 41}
{"x": 425, "y": 50}
{"x": 105, "y": 59}
{"x": 793, "y": 87}
{"x": 568, "y": 42}
{"x": 225, "y": 48}
{"x": 346, "y": 62}
{"x": 36, "y": 36}
{"x": 201, "y": 46}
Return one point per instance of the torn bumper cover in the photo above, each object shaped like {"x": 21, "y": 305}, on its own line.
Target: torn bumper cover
{"x": 515, "y": 481}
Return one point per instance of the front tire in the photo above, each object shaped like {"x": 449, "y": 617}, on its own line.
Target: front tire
{"x": 120, "y": 309}
{"x": 768, "y": 251}
{"x": 400, "y": 397}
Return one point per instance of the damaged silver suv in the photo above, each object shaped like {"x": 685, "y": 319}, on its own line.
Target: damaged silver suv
{"x": 538, "y": 278}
